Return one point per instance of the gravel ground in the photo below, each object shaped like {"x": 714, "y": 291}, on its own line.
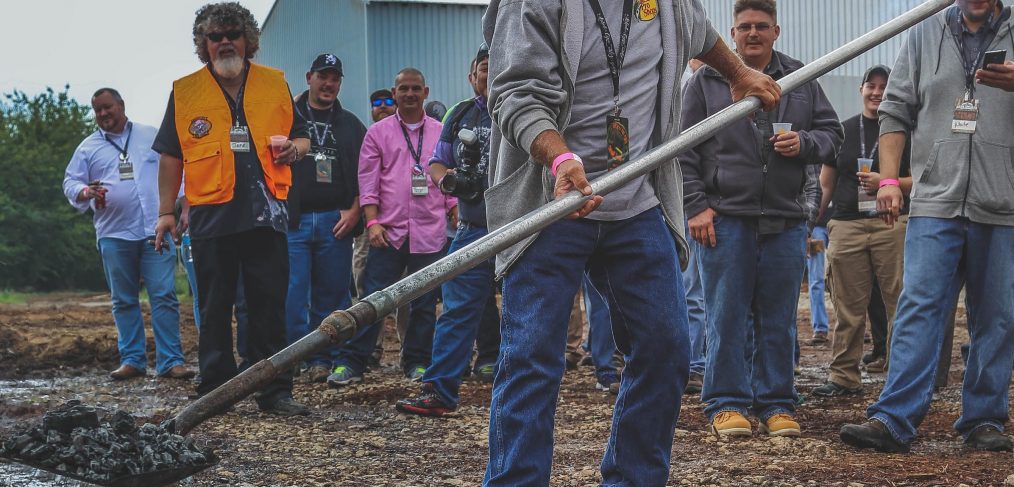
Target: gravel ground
{"x": 355, "y": 437}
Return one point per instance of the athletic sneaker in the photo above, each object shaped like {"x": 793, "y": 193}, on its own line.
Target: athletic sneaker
{"x": 484, "y": 373}
{"x": 415, "y": 373}
{"x": 608, "y": 382}
{"x": 831, "y": 389}
{"x": 428, "y": 403}
{"x": 343, "y": 375}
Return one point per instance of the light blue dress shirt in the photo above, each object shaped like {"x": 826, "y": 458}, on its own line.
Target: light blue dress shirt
{"x": 131, "y": 205}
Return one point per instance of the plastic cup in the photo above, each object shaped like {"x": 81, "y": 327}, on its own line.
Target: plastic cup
{"x": 865, "y": 164}
{"x": 781, "y": 128}
{"x": 277, "y": 144}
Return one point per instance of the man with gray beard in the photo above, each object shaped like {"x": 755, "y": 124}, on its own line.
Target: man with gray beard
{"x": 232, "y": 130}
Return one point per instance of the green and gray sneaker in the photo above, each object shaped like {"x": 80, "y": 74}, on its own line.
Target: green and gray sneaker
{"x": 415, "y": 373}
{"x": 343, "y": 375}
{"x": 484, "y": 373}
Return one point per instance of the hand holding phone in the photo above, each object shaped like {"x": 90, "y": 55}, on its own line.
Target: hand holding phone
{"x": 993, "y": 57}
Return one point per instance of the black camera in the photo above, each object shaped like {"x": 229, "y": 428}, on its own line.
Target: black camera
{"x": 466, "y": 180}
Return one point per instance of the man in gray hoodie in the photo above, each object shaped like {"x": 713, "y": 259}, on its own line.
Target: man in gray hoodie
{"x": 956, "y": 108}
{"x": 600, "y": 79}
{"x": 744, "y": 194}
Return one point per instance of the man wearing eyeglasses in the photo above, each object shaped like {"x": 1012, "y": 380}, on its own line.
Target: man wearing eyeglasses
{"x": 404, "y": 213}
{"x": 577, "y": 88}
{"x": 744, "y": 194}
{"x": 323, "y": 210}
{"x": 218, "y": 131}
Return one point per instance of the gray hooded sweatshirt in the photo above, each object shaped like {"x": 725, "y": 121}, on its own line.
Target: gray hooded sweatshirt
{"x": 535, "y": 48}
{"x": 955, "y": 175}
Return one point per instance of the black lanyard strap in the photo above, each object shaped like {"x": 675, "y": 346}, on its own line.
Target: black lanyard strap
{"x": 970, "y": 65}
{"x": 614, "y": 58}
{"x": 862, "y": 140}
{"x": 122, "y": 150}
{"x": 416, "y": 153}
{"x": 318, "y": 137}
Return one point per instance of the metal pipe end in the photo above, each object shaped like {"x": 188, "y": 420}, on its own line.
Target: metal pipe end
{"x": 339, "y": 326}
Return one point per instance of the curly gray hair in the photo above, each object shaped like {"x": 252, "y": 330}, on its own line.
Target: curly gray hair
{"x": 225, "y": 14}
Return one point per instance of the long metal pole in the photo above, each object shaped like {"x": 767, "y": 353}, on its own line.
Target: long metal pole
{"x": 341, "y": 325}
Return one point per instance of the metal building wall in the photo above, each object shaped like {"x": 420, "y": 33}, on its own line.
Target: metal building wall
{"x": 812, "y": 28}
{"x": 438, "y": 39}
{"x": 296, "y": 31}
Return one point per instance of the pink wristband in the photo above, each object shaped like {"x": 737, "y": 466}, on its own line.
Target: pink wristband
{"x": 889, "y": 182}
{"x": 372, "y": 223}
{"x": 560, "y": 159}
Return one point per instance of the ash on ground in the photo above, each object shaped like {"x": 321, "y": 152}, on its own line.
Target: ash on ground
{"x": 73, "y": 441}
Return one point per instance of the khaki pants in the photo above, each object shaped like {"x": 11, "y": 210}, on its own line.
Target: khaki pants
{"x": 575, "y": 331}
{"x": 859, "y": 252}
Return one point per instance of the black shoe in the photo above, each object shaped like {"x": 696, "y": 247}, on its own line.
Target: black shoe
{"x": 428, "y": 403}
{"x": 988, "y": 438}
{"x": 285, "y": 406}
{"x": 872, "y": 434}
{"x": 695, "y": 384}
{"x": 831, "y": 389}
{"x": 869, "y": 357}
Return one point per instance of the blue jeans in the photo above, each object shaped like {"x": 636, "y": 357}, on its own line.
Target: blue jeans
{"x": 696, "y": 309}
{"x": 634, "y": 263}
{"x": 465, "y": 299}
{"x": 385, "y": 266}
{"x": 320, "y": 278}
{"x": 126, "y": 264}
{"x": 756, "y": 275}
{"x": 600, "y": 334}
{"x": 936, "y": 252}
{"x": 188, "y": 267}
{"x": 815, "y": 282}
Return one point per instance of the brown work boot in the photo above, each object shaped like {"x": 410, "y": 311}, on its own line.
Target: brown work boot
{"x": 780, "y": 425}
{"x": 126, "y": 372}
{"x": 695, "y": 383}
{"x": 819, "y": 338}
{"x": 877, "y": 366}
{"x": 178, "y": 372}
{"x": 730, "y": 423}
{"x": 318, "y": 373}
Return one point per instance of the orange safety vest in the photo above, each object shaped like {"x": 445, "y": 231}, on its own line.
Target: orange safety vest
{"x": 203, "y": 120}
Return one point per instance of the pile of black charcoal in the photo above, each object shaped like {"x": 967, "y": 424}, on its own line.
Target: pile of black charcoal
{"x": 72, "y": 440}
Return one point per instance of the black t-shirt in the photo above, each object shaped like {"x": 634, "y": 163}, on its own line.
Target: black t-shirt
{"x": 337, "y": 134}
{"x": 846, "y": 190}
{"x": 252, "y": 205}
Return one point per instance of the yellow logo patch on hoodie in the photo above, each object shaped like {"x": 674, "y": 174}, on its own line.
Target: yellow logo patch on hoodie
{"x": 646, "y": 10}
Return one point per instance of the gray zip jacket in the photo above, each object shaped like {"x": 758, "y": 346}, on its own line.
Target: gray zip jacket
{"x": 955, "y": 175}
{"x": 535, "y": 48}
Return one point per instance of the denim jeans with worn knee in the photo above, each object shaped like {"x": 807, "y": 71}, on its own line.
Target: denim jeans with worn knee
{"x": 815, "y": 282}
{"x": 126, "y": 264}
{"x": 937, "y": 250}
{"x": 696, "y": 309}
{"x": 320, "y": 278}
{"x": 634, "y": 264}
{"x": 751, "y": 274}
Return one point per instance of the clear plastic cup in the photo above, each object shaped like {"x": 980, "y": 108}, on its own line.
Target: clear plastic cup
{"x": 781, "y": 128}
{"x": 277, "y": 144}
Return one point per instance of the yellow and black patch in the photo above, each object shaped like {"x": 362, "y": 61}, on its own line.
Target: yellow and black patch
{"x": 646, "y": 10}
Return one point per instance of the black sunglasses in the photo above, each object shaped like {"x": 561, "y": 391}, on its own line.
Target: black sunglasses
{"x": 231, "y": 35}
{"x": 377, "y": 102}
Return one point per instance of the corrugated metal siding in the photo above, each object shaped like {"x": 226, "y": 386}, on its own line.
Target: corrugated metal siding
{"x": 813, "y": 28}
{"x": 297, "y": 31}
{"x": 439, "y": 40}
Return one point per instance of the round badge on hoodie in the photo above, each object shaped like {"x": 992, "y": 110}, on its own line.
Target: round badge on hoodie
{"x": 646, "y": 10}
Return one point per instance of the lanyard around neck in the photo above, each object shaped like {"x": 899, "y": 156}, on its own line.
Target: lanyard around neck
{"x": 862, "y": 140}
{"x": 614, "y": 58}
{"x": 319, "y": 137}
{"x": 122, "y": 150}
{"x": 417, "y": 152}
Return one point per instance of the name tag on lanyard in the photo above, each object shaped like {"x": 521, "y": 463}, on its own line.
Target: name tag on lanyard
{"x": 239, "y": 139}
{"x": 126, "y": 169}
{"x": 966, "y": 116}
{"x": 419, "y": 185}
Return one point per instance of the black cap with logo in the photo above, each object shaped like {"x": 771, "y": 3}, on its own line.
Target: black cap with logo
{"x": 327, "y": 61}
{"x": 876, "y": 69}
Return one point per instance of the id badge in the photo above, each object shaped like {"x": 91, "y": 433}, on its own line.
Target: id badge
{"x": 126, "y": 169}
{"x": 966, "y": 114}
{"x": 239, "y": 139}
{"x": 617, "y": 141}
{"x": 323, "y": 164}
{"x": 419, "y": 187}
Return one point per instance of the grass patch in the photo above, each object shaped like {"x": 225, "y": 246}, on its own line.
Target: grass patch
{"x": 13, "y": 297}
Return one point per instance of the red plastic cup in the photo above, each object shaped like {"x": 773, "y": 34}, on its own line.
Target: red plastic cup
{"x": 277, "y": 144}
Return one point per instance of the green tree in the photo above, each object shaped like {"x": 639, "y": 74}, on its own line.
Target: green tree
{"x": 45, "y": 244}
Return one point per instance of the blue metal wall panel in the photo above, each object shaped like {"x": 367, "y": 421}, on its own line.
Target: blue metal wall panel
{"x": 439, "y": 40}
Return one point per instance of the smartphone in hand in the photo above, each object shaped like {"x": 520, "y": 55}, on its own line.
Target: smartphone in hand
{"x": 994, "y": 57}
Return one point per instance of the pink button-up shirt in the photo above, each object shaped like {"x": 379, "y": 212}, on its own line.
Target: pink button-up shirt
{"x": 385, "y": 179}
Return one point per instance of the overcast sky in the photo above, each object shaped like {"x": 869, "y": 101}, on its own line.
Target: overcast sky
{"x": 136, "y": 46}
